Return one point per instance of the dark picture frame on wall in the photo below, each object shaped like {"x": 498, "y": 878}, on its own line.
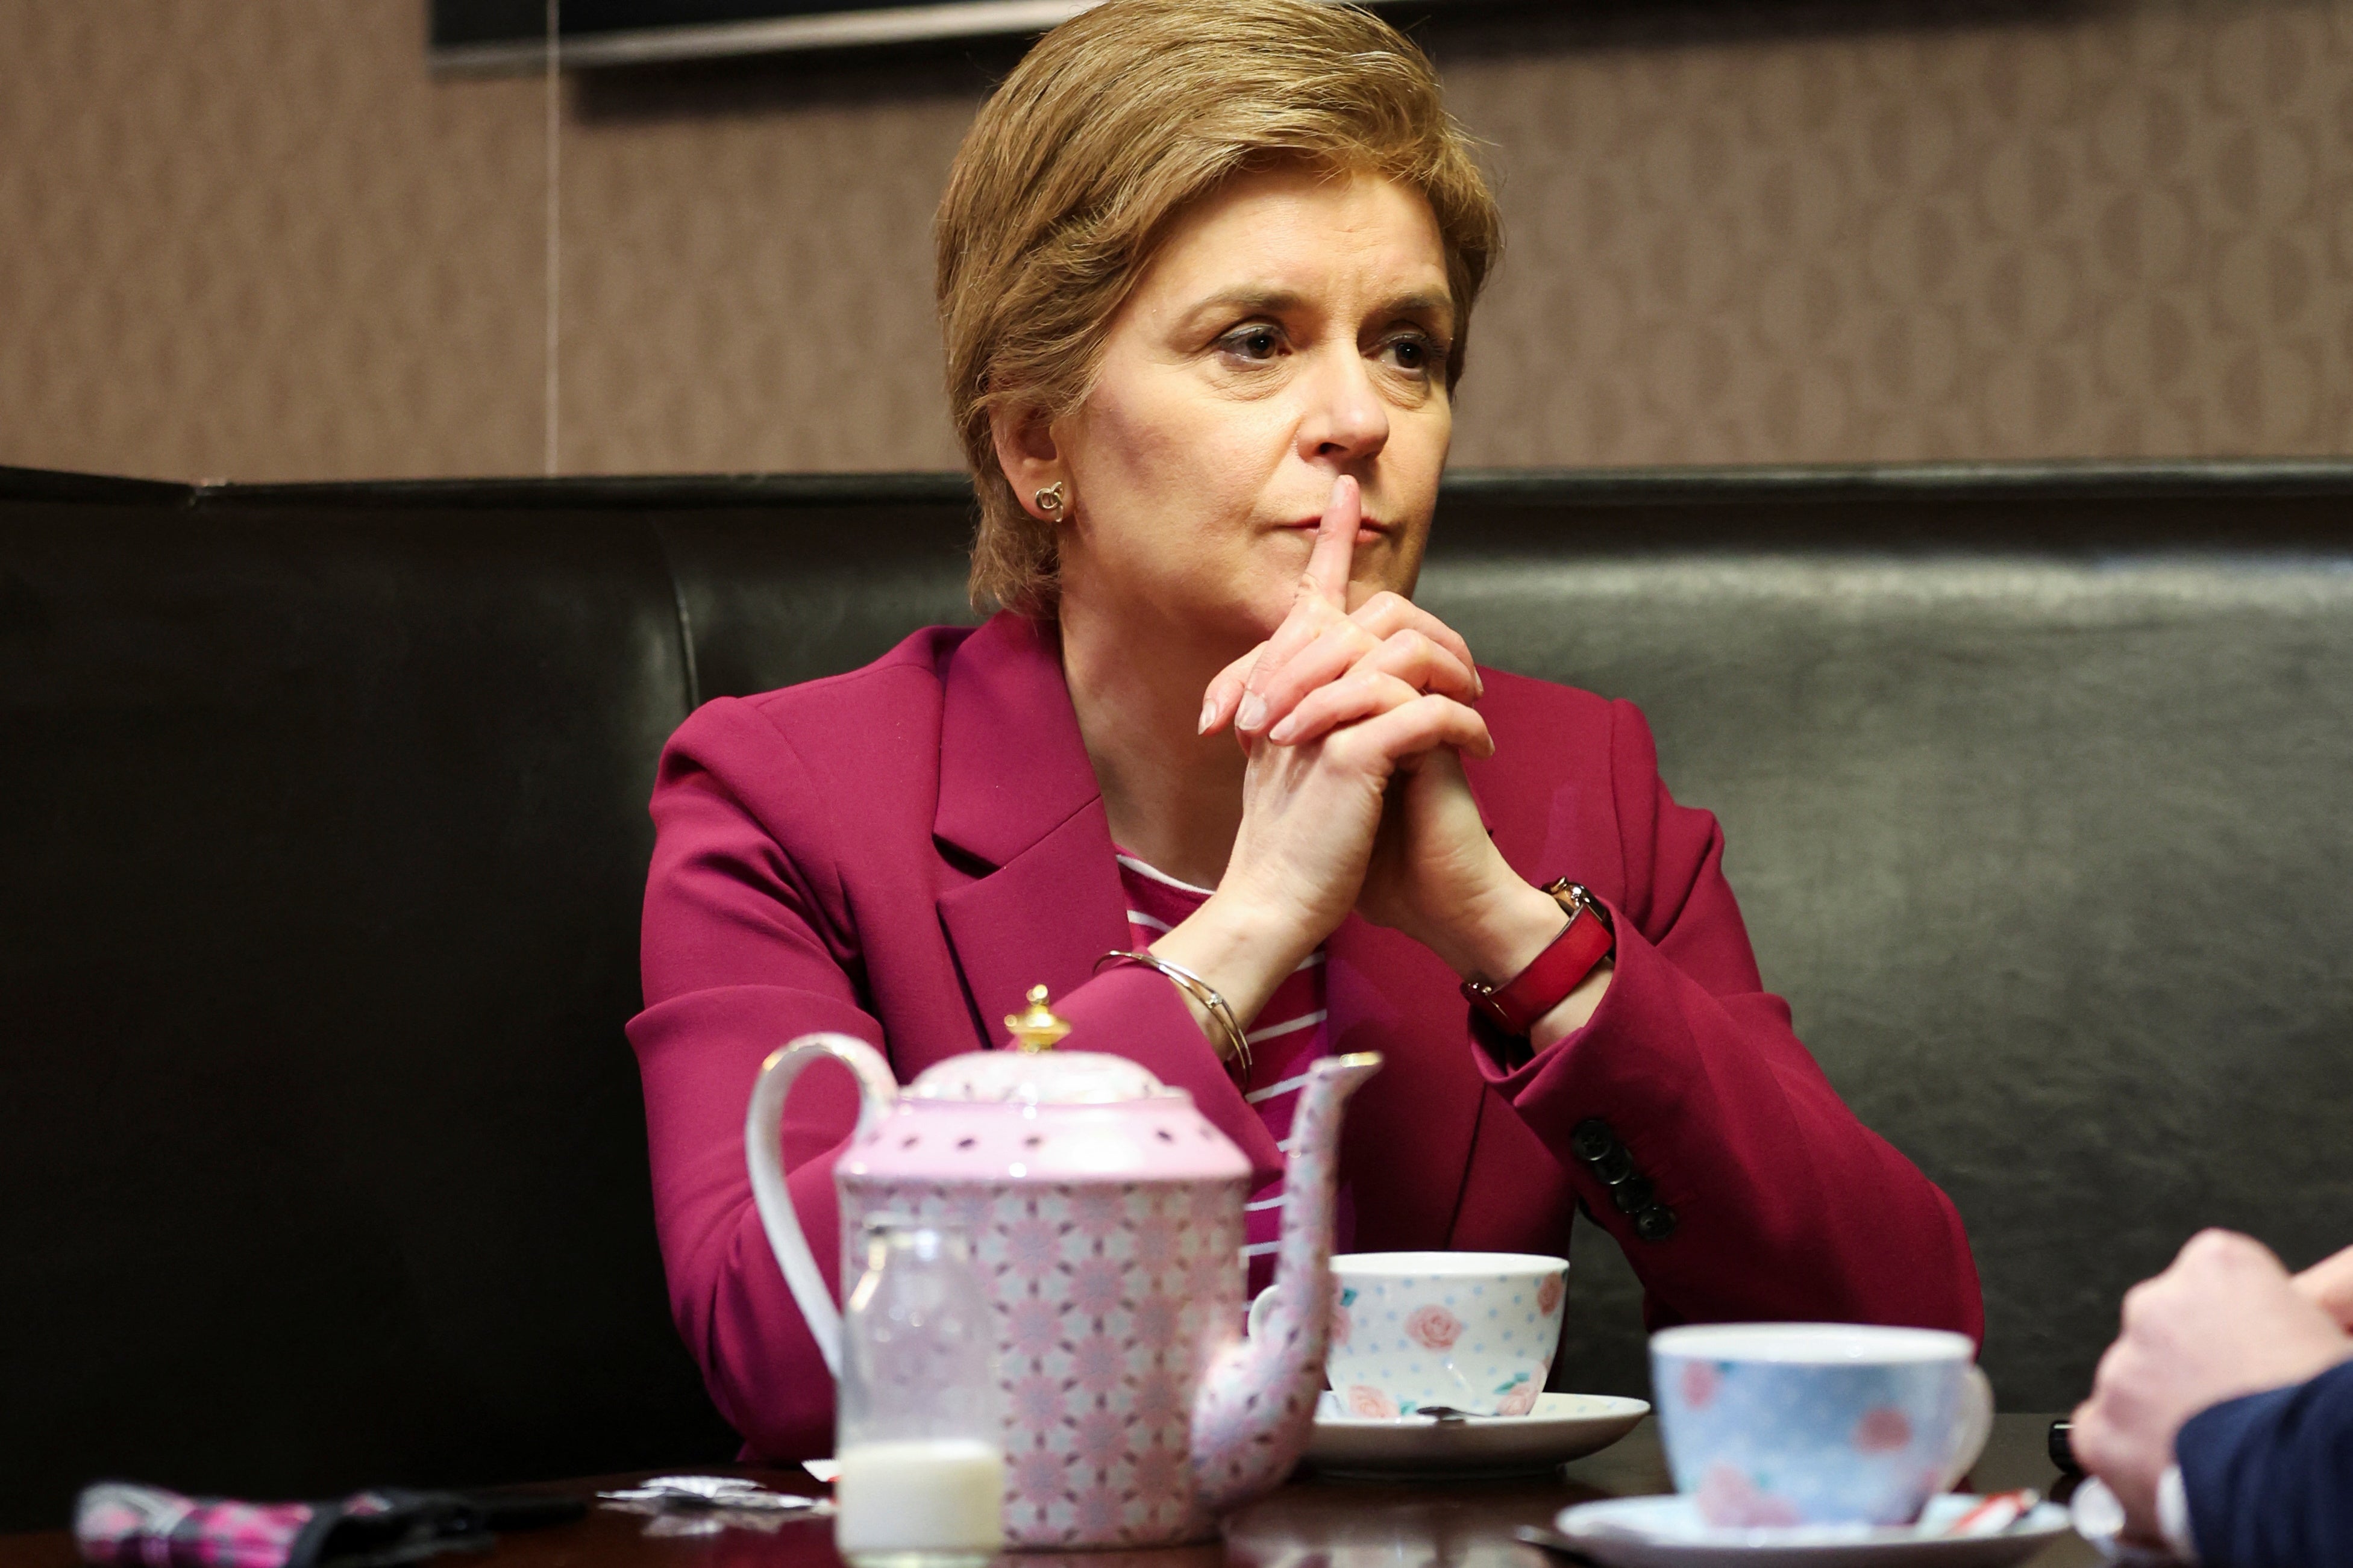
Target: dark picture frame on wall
{"x": 498, "y": 36}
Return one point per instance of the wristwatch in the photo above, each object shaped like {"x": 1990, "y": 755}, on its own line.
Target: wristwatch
{"x": 1583, "y": 943}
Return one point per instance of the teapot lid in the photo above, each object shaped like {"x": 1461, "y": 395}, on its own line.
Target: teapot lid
{"x": 1035, "y": 1073}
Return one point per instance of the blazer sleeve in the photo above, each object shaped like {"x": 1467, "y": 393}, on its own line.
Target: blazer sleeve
{"x": 2269, "y": 1477}
{"x": 1766, "y": 1198}
{"x": 749, "y": 940}
{"x": 736, "y": 959}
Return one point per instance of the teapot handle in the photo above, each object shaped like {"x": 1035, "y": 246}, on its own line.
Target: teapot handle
{"x": 877, "y": 1090}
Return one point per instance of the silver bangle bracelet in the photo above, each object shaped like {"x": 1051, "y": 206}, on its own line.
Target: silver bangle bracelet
{"x": 1220, "y": 1013}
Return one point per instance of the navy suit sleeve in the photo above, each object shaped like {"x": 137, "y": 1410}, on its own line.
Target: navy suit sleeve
{"x": 2269, "y": 1477}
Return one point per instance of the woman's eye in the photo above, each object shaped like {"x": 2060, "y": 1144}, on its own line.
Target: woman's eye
{"x": 1258, "y": 344}
{"x": 1413, "y": 355}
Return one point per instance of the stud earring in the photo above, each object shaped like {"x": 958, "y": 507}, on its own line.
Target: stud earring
{"x": 1050, "y": 499}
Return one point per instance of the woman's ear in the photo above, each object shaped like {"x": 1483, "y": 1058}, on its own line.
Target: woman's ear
{"x": 1030, "y": 457}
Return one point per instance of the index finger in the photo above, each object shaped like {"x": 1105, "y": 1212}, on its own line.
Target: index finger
{"x": 1323, "y": 595}
{"x": 1336, "y": 544}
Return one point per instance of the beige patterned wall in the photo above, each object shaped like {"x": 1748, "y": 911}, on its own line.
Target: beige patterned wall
{"x": 2112, "y": 230}
{"x": 254, "y": 239}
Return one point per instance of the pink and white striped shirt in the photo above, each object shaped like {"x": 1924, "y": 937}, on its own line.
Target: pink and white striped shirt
{"x": 1285, "y": 1039}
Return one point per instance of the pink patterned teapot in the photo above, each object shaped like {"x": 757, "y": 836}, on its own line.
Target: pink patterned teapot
{"x": 1105, "y": 1213}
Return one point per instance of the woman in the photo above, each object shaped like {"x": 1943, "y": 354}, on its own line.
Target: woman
{"x": 1205, "y": 272}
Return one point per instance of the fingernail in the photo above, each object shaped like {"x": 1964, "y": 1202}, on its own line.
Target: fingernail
{"x": 1252, "y": 712}
{"x": 1282, "y": 733}
{"x": 1209, "y": 712}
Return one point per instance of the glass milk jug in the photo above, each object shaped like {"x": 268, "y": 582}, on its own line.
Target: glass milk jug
{"x": 919, "y": 1438}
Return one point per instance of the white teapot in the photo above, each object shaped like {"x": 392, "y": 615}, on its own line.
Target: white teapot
{"x": 1105, "y": 1215}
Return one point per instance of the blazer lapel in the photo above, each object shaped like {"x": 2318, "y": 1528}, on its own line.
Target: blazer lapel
{"x": 1019, "y": 796}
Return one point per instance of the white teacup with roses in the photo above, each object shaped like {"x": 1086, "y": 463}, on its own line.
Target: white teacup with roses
{"x": 1474, "y": 1332}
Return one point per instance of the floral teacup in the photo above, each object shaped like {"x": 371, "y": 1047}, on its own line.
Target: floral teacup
{"x": 1790, "y": 1424}
{"x": 1474, "y": 1332}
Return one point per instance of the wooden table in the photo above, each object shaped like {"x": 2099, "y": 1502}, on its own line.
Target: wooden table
{"x": 1310, "y": 1523}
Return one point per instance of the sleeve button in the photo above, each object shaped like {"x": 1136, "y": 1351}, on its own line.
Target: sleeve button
{"x": 1655, "y": 1223}
{"x": 1632, "y": 1195}
{"x": 1592, "y": 1139}
{"x": 1614, "y": 1165}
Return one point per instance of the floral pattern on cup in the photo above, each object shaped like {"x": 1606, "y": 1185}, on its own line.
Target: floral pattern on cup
{"x": 1474, "y": 1332}
{"x": 1727, "y": 1496}
{"x": 1883, "y": 1429}
{"x": 1433, "y": 1328}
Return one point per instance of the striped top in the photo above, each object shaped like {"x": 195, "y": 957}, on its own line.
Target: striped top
{"x": 1285, "y": 1037}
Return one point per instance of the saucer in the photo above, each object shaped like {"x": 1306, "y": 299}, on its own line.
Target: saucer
{"x": 1668, "y": 1533}
{"x": 1563, "y": 1426}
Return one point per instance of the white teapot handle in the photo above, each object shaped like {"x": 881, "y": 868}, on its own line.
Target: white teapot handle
{"x": 877, "y": 1090}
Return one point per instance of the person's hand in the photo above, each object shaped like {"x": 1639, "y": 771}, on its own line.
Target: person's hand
{"x": 1355, "y": 709}
{"x": 1353, "y": 662}
{"x": 2224, "y": 1321}
{"x": 1434, "y": 873}
{"x": 2328, "y": 1284}
{"x": 1312, "y": 802}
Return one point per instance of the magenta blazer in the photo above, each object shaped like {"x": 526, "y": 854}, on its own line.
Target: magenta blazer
{"x": 900, "y": 852}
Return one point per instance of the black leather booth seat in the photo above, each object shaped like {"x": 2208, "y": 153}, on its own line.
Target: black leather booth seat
{"x": 322, "y": 829}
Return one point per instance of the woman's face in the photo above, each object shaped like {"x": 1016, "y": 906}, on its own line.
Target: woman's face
{"x": 1294, "y": 328}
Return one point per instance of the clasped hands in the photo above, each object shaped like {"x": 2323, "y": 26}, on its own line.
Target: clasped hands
{"x": 2226, "y": 1318}
{"x": 1354, "y": 723}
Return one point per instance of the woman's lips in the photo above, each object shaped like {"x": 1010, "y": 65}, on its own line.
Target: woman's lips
{"x": 1367, "y": 528}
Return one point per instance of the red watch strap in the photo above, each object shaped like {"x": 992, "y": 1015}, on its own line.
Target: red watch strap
{"x": 1558, "y": 970}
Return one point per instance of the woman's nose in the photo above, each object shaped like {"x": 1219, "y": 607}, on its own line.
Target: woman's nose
{"x": 1346, "y": 416}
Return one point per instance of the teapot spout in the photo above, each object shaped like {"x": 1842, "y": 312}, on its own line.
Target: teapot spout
{"x": 1257, "y": 1407}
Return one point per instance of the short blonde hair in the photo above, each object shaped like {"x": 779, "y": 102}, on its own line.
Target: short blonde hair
{"x": 1113, "y": 124}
